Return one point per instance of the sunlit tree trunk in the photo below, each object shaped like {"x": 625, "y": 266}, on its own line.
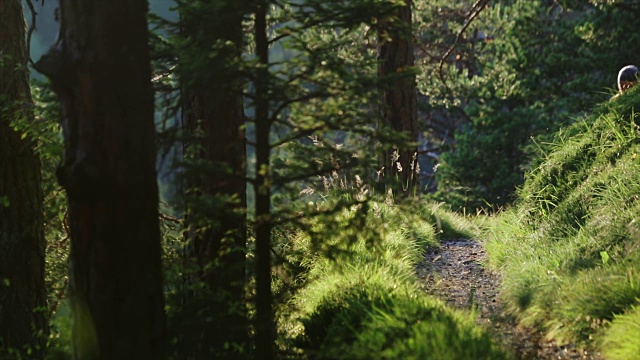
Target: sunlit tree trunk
{"x": 100, "y": 68}
{"x": 213, "y": 119}
{"x": 22, "y": 244}
{"x": 399, "y": 98}
{"x": 264, "y": 311}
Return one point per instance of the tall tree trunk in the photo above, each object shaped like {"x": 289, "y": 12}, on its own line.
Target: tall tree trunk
{"x": 22, "y": 242}
{"x": 399, "y": 98}
{"x": 100, "y": 68}
{"x": 264, "y": 311}
{"x": 213, "y": 117}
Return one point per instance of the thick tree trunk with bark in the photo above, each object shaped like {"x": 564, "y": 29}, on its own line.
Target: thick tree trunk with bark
{"x": 213, "y": 118}
{"x": 399, "y": 99}
{"x": 22, "y": 244}
{"x": 100, "y": 68}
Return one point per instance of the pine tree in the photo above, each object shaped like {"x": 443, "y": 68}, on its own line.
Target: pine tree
{"x": 100, "y": 69}
{"x": 399, "y": 100}
{"x": 215, "y": 157}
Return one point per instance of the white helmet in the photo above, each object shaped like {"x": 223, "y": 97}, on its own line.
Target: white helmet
{"x": 627, "y": 77}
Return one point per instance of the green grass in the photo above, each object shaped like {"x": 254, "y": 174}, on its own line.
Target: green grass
{"x": 369, "y": 305}
{"x": 621, "y": 340}
{"x": 448, "y": 224}
{"x": 569, "y": 248}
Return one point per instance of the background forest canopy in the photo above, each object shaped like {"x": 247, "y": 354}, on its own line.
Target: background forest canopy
{"x": 306, "y": 155}
{"x": 496, "y": 79}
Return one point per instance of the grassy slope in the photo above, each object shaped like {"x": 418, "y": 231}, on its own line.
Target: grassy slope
{"x": 570, "y": 248}
{"x": 369, "y": 305}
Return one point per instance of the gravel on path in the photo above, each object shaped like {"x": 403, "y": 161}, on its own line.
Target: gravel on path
{"x": 455, "y": 274}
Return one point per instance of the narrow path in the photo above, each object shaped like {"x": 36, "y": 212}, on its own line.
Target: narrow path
{"x": 454, "y": 273}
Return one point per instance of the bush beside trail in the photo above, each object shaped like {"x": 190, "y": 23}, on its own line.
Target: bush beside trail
{"x": 369, "y": 304}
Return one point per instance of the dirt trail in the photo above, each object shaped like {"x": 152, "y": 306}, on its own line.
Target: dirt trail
{"x": 454, "y": 273}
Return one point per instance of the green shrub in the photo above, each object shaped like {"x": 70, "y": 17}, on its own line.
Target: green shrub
{"x": 368, "y": 303}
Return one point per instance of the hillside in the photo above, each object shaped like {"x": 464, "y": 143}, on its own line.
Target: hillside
{"x": 568, "y": 248}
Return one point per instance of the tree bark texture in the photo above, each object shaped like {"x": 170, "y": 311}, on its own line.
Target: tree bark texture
{"x": 22, "y": 243}
{"x": 399, "y": 98}
{"x": 213, "y": 119}
{"x": 100, "y": 68}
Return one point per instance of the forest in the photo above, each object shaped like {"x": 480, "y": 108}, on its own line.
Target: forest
{"x": 309, "y": 179}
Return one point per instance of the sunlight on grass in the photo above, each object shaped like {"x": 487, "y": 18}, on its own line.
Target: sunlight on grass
{"x": 569, "y": 247}
{"x": 448, "y": 224}
{"x": 622, "y": 340}
{"x": 371, "y": 306}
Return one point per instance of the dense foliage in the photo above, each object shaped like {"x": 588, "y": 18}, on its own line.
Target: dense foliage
{"x": 520, "y": 71}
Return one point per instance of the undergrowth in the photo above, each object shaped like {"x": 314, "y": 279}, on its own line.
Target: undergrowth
{"x": 569, "y": 247}
{"x": 368, "y": 304}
